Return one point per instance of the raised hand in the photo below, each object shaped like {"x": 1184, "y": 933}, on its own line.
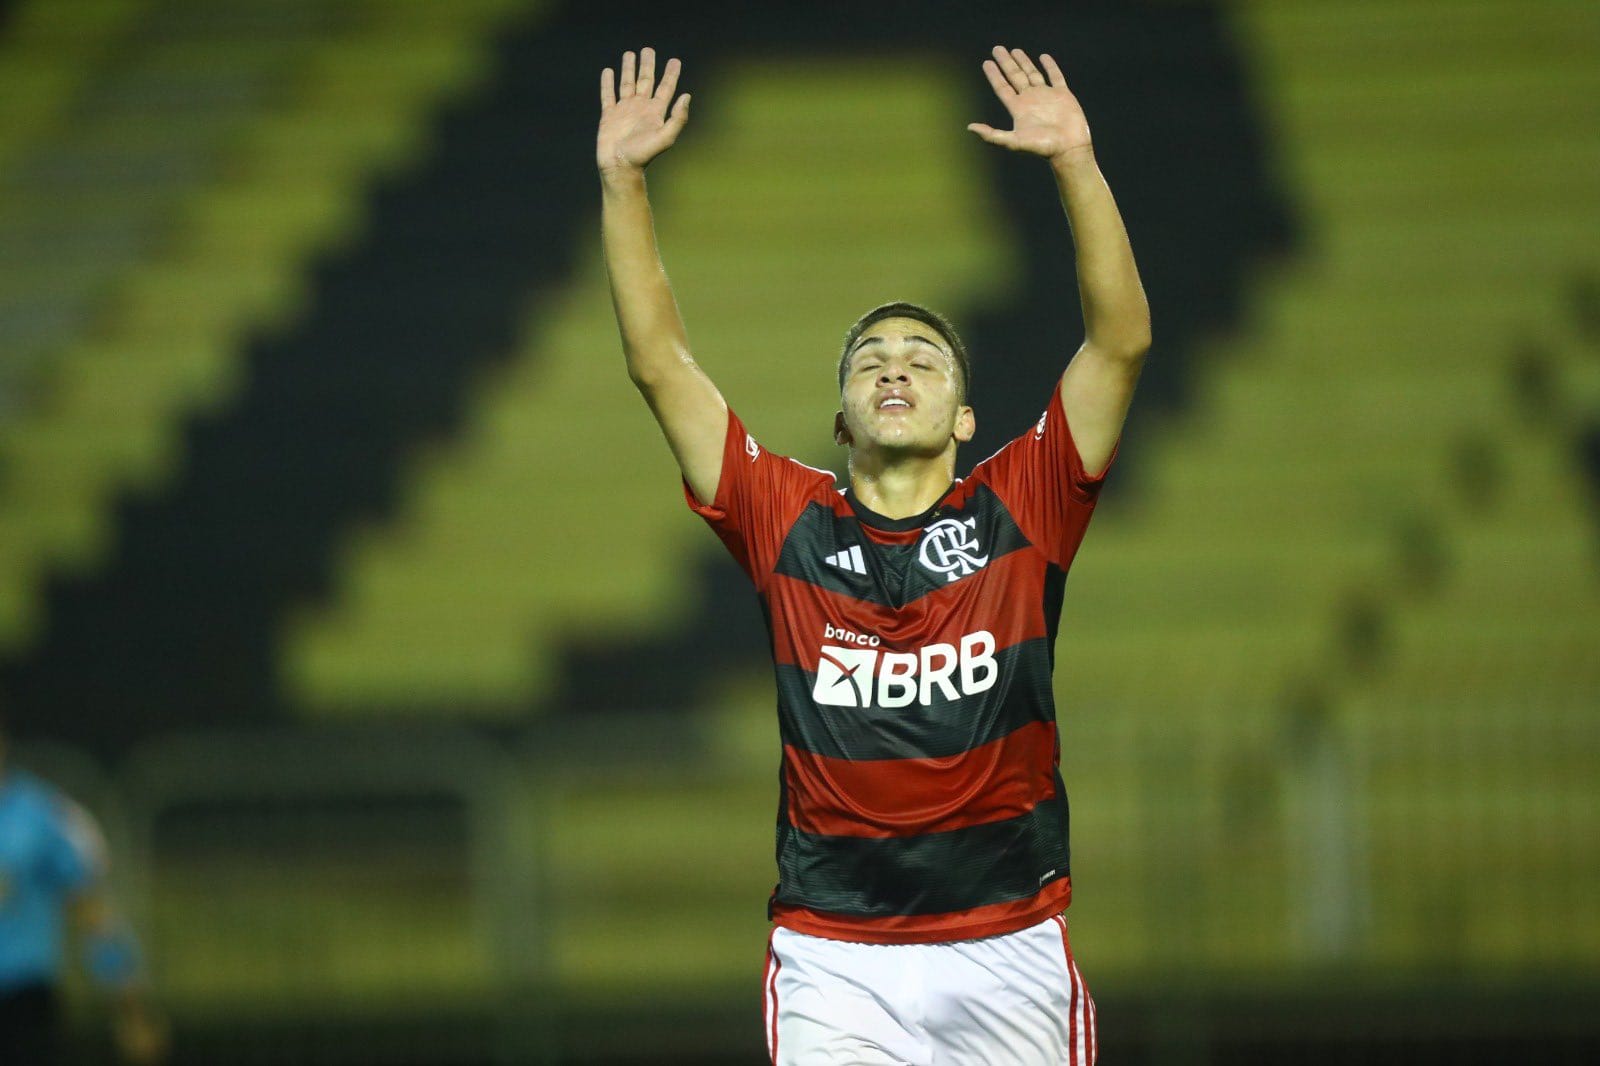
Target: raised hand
{"x": 635, "y": 125}
{"x": 1046, "y": 117}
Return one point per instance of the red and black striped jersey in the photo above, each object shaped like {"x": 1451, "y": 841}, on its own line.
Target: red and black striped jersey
{"x": 921, "y": 795}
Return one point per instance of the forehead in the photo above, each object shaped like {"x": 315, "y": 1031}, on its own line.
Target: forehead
{"x": 899, "y": 331}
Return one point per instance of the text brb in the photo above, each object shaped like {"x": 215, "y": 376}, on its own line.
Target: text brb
{"x": 866, "y": 677}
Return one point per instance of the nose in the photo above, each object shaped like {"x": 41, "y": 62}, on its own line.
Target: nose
{"x": 892, "y": 372}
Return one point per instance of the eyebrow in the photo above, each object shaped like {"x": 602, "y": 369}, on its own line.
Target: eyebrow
{"x": 909, "y": 337}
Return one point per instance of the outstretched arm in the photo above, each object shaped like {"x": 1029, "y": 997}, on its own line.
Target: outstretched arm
{"x": 635, "y": 127}
{"x": 1098, "y": 384}
{"x": 111, "y": 956}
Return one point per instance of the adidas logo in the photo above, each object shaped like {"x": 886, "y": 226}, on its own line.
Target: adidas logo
{"x": 849, "y": 559}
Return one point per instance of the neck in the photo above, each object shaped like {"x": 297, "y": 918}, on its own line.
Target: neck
{"x": 904, "y": 488}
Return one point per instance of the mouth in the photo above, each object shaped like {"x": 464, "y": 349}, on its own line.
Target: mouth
{"x": 894, "y": 402}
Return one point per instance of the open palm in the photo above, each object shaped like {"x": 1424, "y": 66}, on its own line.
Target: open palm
{"x": 1046, "y": 118}
{"x": 635, "y": 125}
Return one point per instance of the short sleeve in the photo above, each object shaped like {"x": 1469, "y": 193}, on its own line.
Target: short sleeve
{"x": 759, "y": 496}
{"x": 75, "y": 850}
{"x": 1040, "y": 478}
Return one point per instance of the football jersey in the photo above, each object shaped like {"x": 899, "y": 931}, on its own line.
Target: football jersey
{"x": 921, "y": 796}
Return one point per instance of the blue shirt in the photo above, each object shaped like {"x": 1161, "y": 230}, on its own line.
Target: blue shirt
{"x": 50, "y": 850}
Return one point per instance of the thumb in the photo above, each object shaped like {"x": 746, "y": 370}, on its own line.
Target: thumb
{"x": 990, "y": 134}
{"x": 680, "y": 114}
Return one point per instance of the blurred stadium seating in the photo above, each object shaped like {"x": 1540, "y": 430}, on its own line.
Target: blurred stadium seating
{"x": 1327, "y": 672}
{"x": 199, "y": 162}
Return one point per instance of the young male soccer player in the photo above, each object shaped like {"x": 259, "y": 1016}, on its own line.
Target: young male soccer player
{"x": 922, "y": 826}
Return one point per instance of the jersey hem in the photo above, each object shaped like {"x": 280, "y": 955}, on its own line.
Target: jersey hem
{"x": 976, "y": 924}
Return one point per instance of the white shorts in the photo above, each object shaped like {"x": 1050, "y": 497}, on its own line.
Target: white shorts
{"x": 1011, "y": 1000}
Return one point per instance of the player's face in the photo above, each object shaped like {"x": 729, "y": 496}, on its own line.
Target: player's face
{"x": 902, "y": 393}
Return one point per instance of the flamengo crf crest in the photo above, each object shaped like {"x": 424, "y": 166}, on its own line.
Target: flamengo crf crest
{"x": 950, "y": 547}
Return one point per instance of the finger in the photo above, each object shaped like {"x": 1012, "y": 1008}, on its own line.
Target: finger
{"x": 625, "y": 83}
{"x": 608, "y": 94}
{"x": 679, "y": 117}
{"x": 990, "y": 134}
{"x": 1056, "y": 77}
{"x": 647, "y": 72}
{"x": 1029, "y": 71}
{"x": 1008, "y": 67}
{"x": 669, "y": 80}
{"x": 997, "y": 81}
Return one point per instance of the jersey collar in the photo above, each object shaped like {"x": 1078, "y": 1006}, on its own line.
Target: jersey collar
{"x": 867, "y": 516}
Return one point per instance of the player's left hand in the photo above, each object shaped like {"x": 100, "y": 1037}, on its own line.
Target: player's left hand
{"x": 1047, "y": 118}
{"x": 141, "y": 1034}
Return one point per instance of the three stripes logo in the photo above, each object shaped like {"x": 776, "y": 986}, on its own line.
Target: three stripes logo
{"x": 848, "y": 559}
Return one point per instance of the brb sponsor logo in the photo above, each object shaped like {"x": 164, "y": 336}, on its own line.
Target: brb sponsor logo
{"x": 950, "y": 547}
{"x": 861, "y": 675}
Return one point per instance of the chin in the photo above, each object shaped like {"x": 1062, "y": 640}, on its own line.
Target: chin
{"x": 907, "y": 446}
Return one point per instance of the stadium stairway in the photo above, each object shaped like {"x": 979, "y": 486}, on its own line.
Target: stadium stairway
{"x": 172, "y": 210}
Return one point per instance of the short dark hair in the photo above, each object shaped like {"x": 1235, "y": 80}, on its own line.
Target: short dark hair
{"x": 902, "y": 309}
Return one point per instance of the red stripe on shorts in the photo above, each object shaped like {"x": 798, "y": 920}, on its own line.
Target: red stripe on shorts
{"x": 770, "y": 998}
{"x": 1086, "y": 1008}
{"x": 1072, "y": 1010}
{"x": 1094, "y": 1032}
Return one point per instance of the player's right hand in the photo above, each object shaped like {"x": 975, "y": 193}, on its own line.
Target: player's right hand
{"x": 635, "y": 125}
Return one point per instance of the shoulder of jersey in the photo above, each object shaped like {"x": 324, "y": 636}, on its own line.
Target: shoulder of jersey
{"x": 753, "y": 448}
{"x": 828, "y": 475}
{"x": 29, "y": 789}
{"x": 833, "y": 479}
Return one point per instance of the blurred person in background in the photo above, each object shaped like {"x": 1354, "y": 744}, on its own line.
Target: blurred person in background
{"x": 53, "y": 890}
{"x": 922, "y": 833}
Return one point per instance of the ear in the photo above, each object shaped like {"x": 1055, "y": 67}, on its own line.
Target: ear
{"x": 841, "y": 432}
{"x": 966, "y": 424}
